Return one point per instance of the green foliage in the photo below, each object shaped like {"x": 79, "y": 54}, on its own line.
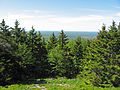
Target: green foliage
{"x": 78, "y": 50}
{"x": 56, "y": 84}
{"x": 4, "y": 29}
{"x": 39, "y": 52}
{"x": 62, "y": 40}
{"x": 102, "y": 64}
{"x": 26, "y": 55}
{"x": 52, "y": 43}
{"x": 56, "y": 60}
{"x": 22, "y": 55}
{"x": 61, "y": 62}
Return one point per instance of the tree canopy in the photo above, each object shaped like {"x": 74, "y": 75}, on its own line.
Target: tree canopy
{"x": 28, "y": 55}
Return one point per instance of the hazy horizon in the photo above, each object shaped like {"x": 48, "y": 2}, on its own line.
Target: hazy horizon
{"x": 70, "y": 34}
{"x": 63, "y": 30}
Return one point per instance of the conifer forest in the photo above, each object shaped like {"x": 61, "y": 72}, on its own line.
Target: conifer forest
{"x": 28, "y": 55}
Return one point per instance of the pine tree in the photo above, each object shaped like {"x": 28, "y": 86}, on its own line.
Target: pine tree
{"x": 61, "y": 62}
{"x": 8, "y": 63}
{"x": 102, "y": 59}
{"x": 52, "y": 43}
{"x": 4, "y": 29}
{"x": 78, "y": 54}
{"x": 23, "y": 36}
{"x": 62, "y": 40}
{"x": 43, "y": 41}
{"x": 78, "y": 50}
{"x": 17, "y": 32}
{"x": 119, "y": 26}
{"x": 37, "y": 45}
{"x": 53, "y": 39}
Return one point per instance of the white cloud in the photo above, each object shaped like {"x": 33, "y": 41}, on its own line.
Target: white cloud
{"x": 19, "y": 16}
{"x": 118, "y": 14}
{"x": 77, "y": 19}
{"x": 48, "y": 21}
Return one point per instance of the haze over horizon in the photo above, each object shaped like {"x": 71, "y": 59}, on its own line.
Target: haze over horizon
{"x": 54, "y": 15}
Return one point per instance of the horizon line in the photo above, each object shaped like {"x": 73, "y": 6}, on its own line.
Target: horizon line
{"x": 65, "y": 30}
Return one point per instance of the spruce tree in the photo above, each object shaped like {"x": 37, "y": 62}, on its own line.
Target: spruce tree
{"x": 16, "y": 31}
{"x": 61, "y": 63}
{"x": 37, "y": 45}
{"x": 78, "y": 54}
{"x": 52, "y": 43}
{"x": 119, "y": 26}
{"x": 62, "y": 40}
{"x": 101, "y": 61}
{"x": 78, "y": 50}
{"x": 4, "y": 28}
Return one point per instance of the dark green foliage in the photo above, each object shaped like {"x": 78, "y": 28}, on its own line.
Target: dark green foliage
{"x": 78, "y": 54}
{"x": 5, "y": 76}
{"x": 78, "y": 49}
{"x": 39, "y": 52}
{"x": 22, "y": 55}
{"x": 119, "y": 26}
{"x": 52, "y": 43}
{"x": 61, "y": 62}
{"x": 9, "y": 66}
{"x": 4, "y": 29}
{"x": 61, "y": 58}
{"x": 62, "y": 40}
{"x": 27, "y": 55}
{"x": 102, "y": 64}
{"x": 16, "y": 32}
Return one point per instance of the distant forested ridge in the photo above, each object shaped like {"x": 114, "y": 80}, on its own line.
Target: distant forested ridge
{"x": 27, "y": 55}
{"x": 71, "y": 34}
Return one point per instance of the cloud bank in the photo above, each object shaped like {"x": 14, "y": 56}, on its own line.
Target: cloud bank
{"x": 43, "y": 20}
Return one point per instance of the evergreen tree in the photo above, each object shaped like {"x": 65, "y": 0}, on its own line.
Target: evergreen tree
{"x": 16, "y": 31}
{"x": 62, "y": 40}
{"x": 61, "y": 63}
{"x": 43, "y": 41}
{"x": 53, "y": 39}
{"x": 4, "y": 29}
{"x": 102, "y": 59}
{"x": 52, "y": 43}
{"x": 24, "y": 54}
{"x": 119, "y": 26}
{"x": 27, "y": 55}
{"x": 78, "y": 54}
{"x": 23, "y": 36}
{"x": 31, "y": 38}
{"x": 38, "y": 53}
{"x": 9, "y": 67}
{"x": 78, "y": 50}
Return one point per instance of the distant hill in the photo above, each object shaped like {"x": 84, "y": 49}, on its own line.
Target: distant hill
{"x": 70, "y": 34}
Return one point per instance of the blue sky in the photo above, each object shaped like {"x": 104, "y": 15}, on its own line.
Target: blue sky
{"x": 69, "y": 15}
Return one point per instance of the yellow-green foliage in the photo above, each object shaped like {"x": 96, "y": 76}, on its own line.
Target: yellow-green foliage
{"x": 56, "y": 84}
{"x": 102, "y": 59}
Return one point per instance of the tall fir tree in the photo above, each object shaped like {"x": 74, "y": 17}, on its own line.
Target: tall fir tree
{"x": 78, "y": 49}
{"x": 4, "y": 28}
{"x": 62, "y": 40}
{"x": 119, "y": 26}
{"x": 78, "y": 54}
{"x": 101, "y": 62}
{"x": 52, "y": 43}
{"x": 16, "y": 31}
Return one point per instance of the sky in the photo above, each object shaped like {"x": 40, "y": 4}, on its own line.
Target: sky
{"x": 55, "y": 15}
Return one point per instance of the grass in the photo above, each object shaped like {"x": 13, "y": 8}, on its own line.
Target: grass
{"x": 55, "y": 84}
